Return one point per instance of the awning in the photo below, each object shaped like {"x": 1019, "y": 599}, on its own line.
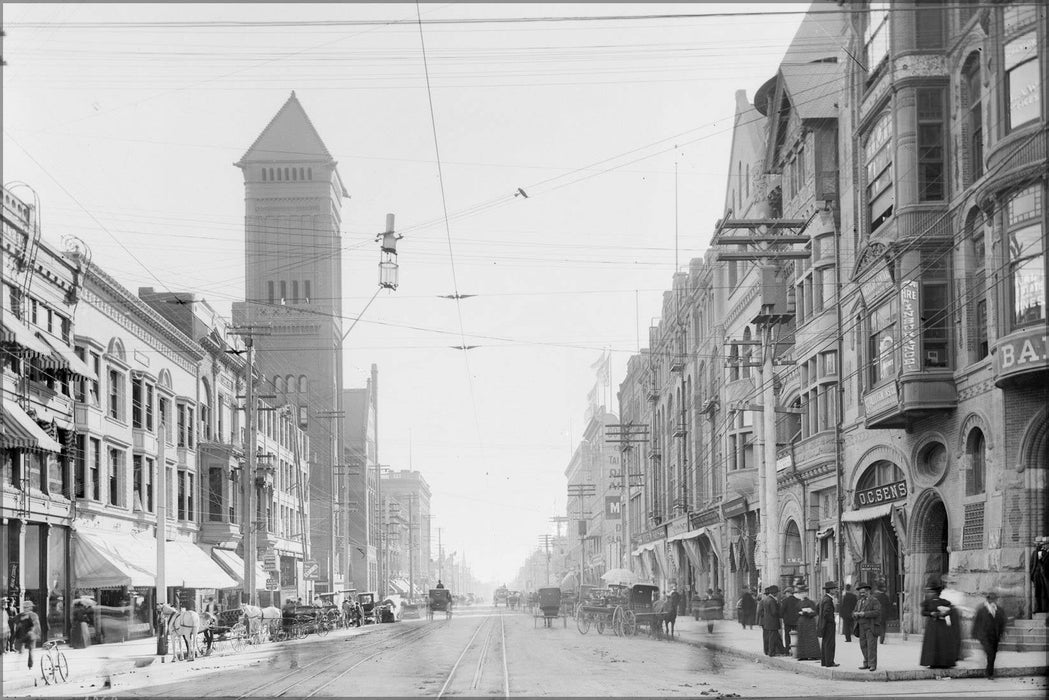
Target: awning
{"x": 21, "y": 431}
{"x": 688, "y": 535}
{"x": 864, "y": 514}
{"x": 825, "y": 533}
{"x": 188, "y": 565}
{"x": 68, "y": 358}
{"x": 24, "y": 335}
{"x": 647, "y": 547}
{"x": 107, "y": 559}
{"x": 399, "y": 586}
{"x": 234, "y": 566}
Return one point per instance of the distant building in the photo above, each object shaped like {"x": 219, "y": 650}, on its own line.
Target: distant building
{"x": 293, "y": 275}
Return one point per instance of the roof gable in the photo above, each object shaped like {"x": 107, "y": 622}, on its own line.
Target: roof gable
{"x": 290, "y": 136}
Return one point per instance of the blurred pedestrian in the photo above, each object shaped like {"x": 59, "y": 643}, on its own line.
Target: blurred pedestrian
{"x": 788, "y": 611}
{"x": 988, "y": 628}
{"x": 848, "y": 605}
{"x": 770, "y": 622}
{"x": 886, "y": 608}
{"x": 938, "y": 643}
{"x": 867, "y": 625}
{"x": 746, "y": 609}
{"x": 825, "y": 624}
{"x": 719, "y": 604}
{"x": 807, "y": 646}
{"x": 27, "y": 630}
{"x": 670, "y": 612}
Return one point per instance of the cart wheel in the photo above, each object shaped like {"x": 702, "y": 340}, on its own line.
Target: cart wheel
{"x": 617, "y": 621}
{"x": 582, "y": 622}
{"x": 47, "y": 669}
{"x": 629, "y": 623}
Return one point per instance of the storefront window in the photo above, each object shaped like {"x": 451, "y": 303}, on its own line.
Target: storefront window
{"x": 1026, "y": 250}
{"x": 881, "y": 348}
{"x": 57, "y": 545}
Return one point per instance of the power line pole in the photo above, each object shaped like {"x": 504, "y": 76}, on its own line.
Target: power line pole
{"x": 582, "y": 491}
{"x": 248, "y": 333}
{"x": 411, "y": 547}
{"x": 544, "y": 542}
{"x": 626, "y": 435}
{"x": 767, "y": 242}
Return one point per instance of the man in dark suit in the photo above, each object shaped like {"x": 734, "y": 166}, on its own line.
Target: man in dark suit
{"x": 886, "y": 607}
{"x": 848, "y": 604}
{"x": 788, "y": 611}
{"x": 770, "y": 621}
{"x": 988, "y": 628}
{"x": 825, "y": 624}
{"x": 868, "y": 625}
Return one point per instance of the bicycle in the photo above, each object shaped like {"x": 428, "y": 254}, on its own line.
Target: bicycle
{"x": 53, "y": 664}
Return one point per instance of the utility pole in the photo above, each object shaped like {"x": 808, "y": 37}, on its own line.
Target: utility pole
{"x": 299, "y": 486}
{"x": 582, "y": 491}
{"x": 161, "y": 594}
{"x": 440, "y": 555}
{"x": 411, "y": 547}
{"x": 626, "y": 435}
{"x": 338, "y": 499}
{"x": 544, "y": 542}
{"x": 767, "y": 242}
{"x": 248, "y": 333}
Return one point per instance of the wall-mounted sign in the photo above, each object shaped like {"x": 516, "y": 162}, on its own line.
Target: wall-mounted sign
{"x": 877, "y": 495}
{"x": 613, "y": 506}
{"x": 1021, "y": 353}
{"x": 878, "y": 400}
{"x": 909, "y": 324}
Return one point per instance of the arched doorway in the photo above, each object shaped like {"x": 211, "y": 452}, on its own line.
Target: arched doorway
{"x": 931, "y": 532}
{"x": 880, "y": 547}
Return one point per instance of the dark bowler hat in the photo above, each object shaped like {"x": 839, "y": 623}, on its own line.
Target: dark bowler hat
{"x": 860, "y": 586}
{"x": 773, "y": 590}
{"x": 829, "y": 586}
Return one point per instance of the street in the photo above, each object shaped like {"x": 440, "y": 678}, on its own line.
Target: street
{"x": 484, "y": 651}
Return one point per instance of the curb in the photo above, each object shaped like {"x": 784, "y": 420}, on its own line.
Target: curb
{"x": 914, "y": 674}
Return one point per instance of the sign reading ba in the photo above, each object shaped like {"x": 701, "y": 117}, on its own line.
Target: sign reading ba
{"x": 613, "y": 507}
{"x": 310, "y": 570}
{"x": 876, "y": 495}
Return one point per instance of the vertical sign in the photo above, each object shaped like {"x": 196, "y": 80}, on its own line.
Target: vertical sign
{"x": 612, "y": 507}
{"x": 909, "y": 324}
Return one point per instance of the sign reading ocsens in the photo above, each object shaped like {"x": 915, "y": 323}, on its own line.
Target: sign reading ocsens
{"x": 881, "y": 494}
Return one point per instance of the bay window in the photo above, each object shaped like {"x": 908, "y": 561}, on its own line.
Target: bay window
{"x": 876, "y": 35}
{"x": 1023, "y": 92}
{"x": 935, "y": 311}
{"x": 882, "y": 344}
{"x": 931, "y": 147}
{"x": 1026, "y": 250}
{"x": 878, "y": 158}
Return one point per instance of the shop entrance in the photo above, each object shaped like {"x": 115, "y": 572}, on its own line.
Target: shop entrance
{"x": 880, "y": 550}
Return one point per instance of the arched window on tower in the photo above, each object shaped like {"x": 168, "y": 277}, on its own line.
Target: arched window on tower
{"x": 303, "y": 383}
{"x": 264, "y": 174}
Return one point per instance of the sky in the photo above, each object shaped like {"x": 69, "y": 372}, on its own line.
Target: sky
{"x": 126, "y": 119}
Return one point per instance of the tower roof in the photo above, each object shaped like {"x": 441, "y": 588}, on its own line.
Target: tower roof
{"x": 290, "y": 136}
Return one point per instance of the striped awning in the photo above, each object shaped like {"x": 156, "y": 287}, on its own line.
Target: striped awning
{"x": 19, "y": 333}
{"x": 21, "y": 431}
{"x": 67, "y": 358}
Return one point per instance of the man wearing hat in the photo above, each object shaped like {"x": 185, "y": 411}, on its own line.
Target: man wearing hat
{"x": 825, "y": 624}
{"x": 868, "y": 625}
{"x": 988, "y": 628}
{"x": 770, "y": 622}
{"x": 788, "y": 611}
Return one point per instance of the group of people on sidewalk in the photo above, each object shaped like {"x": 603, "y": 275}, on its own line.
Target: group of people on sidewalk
{"x": 863, "y": 615}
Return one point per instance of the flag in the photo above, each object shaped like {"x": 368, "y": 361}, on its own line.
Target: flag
{"x": 601, "y": 367}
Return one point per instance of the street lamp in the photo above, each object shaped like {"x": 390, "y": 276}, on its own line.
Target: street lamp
{"x": 388, "y": 276}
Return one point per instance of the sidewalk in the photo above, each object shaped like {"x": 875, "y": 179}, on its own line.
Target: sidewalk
{"x": 897, "y": 658}
{"x": 128, "y": 664}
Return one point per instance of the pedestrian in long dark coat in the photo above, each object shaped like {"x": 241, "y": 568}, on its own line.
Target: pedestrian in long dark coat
{"x": 788, "y": 612}
{"x": 867, "y": 616}
{"x": 939, "y": 646}
{"x": 27, "y": 630}
{"x": 886, "y": 607}
{"x": 825, "y": 625}
{"x": 808, "y": 643}
{"x": 746, "y": 609}
{"x": 848, "y": 605}
{"x": 988, "y": 628}
{"x": 769, "y": 611}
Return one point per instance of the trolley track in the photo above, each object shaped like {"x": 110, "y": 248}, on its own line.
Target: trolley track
{"x": 385, "y": 644}
{"x": 483, "y": 655}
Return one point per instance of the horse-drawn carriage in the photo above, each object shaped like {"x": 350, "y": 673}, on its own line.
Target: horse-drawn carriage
{"x": 500, "y": 596}
{"x": 440, "y": 600}
{"x": 367, "y": 602}
{"x": 548, "y": 602}
{"x": 622, "y": 609}
{"x": 225, "y": 631}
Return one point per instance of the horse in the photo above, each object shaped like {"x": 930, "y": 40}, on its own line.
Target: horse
{"x": 181, "y": 625}
{"x": 260, "y": 621}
